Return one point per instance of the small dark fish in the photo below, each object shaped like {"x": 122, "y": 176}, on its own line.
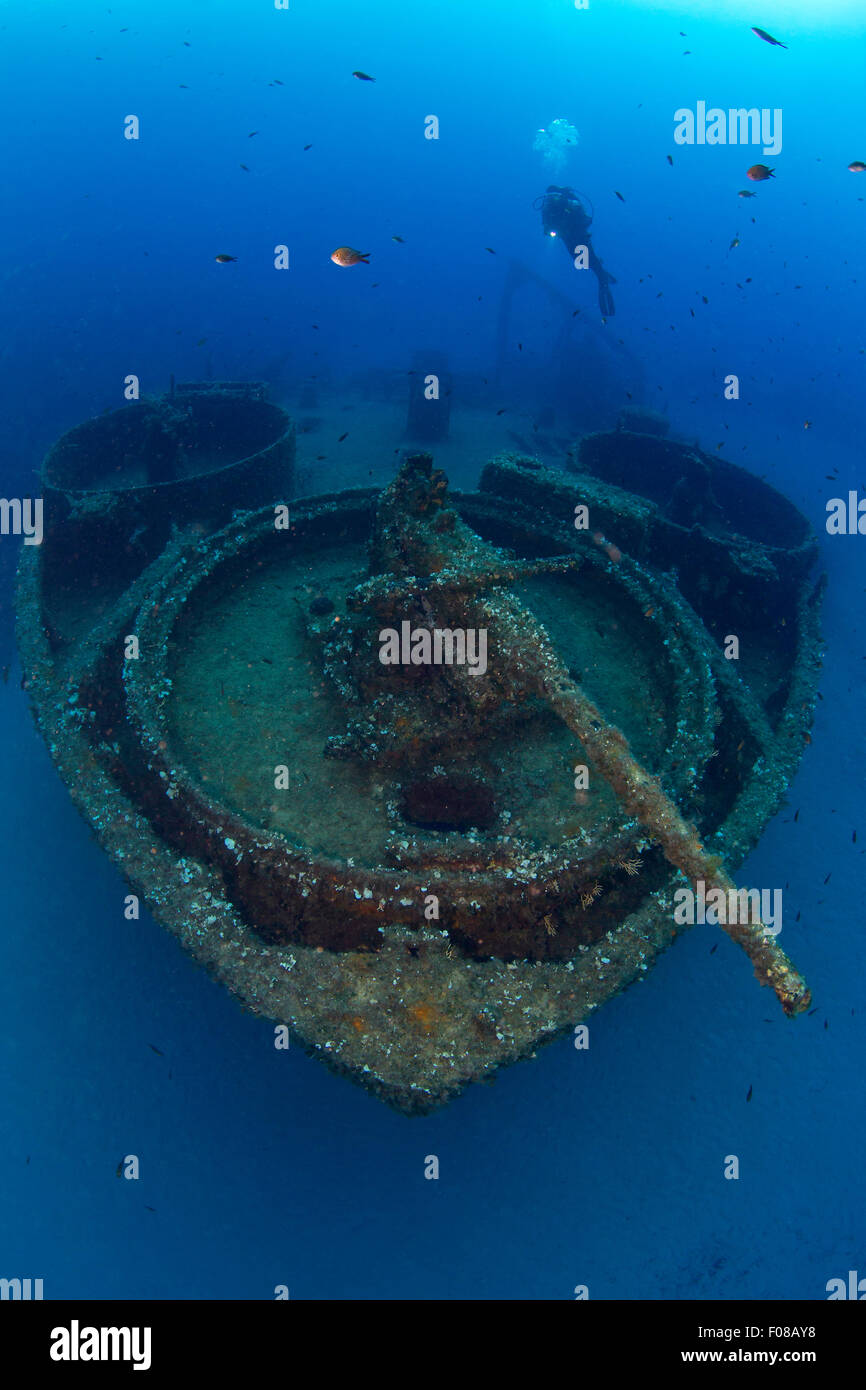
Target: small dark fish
{"x": 187, "y": 45}
{"x": 811, "y": 1012}
{"x": 342, "y": 437}
{"x": 278, "y": 83}
{"x": 853, "y": 837}
{"x": 251, "y": 134}
{"x": 147, "y": 1208}
{"x": 398, "y": 238}
{"x": 156, "y": 1050}
{"x": 184, "y": 86}
{"x": 714, "y": 948}
{"x": 704, "y": 298}
{"x": 745, "y": 193}
{"x": 749, "y": 1094}
{"x": 308, "y": 147}
{"x": 118, "y": 1172}
{"x": 490, "y": 249}
{"x": 797, "y": 814}
{"x": 857, "y": 167}
{"x": 768, "y": 38}
{"x": 502, "y": 411}
{"x": 319, "y": 457}
{"x": 827, "y": 879}
{"x": 245, "y": 167}
{"x": 735, "y": 242}
{"x": 201, "y": 342}
{"x": 619, "y": 195}
{"x": 224, "y": 260}
{"x": 826, "y": 1023}
{"x": 575, "y": 314}
{"x": 519, "y": 347}
{"x": 363, "y": 77}
{"x": 347, "y": 255}
{"x": 27, "y": 1160}
{"x": 759, "y": 172}
{"x": 670, "y": 159}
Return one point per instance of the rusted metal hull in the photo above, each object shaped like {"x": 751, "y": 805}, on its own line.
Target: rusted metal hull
{"x": 527, "y": 936}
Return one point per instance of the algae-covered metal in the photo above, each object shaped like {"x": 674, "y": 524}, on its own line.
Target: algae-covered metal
{"x": 425, "y": 868}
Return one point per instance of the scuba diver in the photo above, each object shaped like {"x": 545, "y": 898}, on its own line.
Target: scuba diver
{"x": 563, "y": 215}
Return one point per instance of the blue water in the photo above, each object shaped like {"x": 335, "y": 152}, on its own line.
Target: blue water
{"x": 605, "y": 1167}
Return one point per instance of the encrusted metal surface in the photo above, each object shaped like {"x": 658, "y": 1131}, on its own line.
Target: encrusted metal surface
{"x": 529, "y": 938}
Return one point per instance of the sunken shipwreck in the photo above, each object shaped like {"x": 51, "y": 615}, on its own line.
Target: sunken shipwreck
{"x": 419, "y": 773}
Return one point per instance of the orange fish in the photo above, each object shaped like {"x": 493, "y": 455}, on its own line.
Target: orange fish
{"x": 759, "y": 172}
{"x": 345, "y": 255}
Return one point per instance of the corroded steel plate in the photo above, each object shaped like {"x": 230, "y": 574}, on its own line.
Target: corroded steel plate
{"x": 405, "y": 864}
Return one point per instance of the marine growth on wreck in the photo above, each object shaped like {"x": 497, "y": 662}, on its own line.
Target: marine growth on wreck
{"x": 423, "y": 776}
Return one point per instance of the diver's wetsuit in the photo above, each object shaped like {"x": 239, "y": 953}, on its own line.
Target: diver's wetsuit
{"x": 563, "y": 215}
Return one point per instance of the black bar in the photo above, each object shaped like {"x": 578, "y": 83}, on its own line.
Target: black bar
{"x": 225, "y": 1338}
